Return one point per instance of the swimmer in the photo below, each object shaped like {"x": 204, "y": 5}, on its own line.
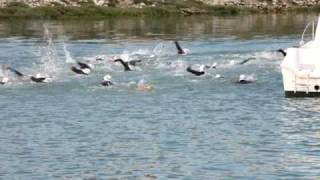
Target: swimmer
{"x": 142, "y": 86}
{"x": 199, "y": 72}
{"x": 245, "y": 61}
{"x": 180, "y": 49}
{"x": 38, "y": 78}
{"x": 99, "y": 58}
{"x": 85, "y": 65}
{"x": 243, "y": 79}
{"x": 85, "y": 68}
{"x": 3, "y": 80}
{"x": 76, "y": 70}
{"x": 213, "y": 66}
{"x": 124, "y": 64}
{"x": 282, "y": 52}
{"x": 107, "y": 80}
{"x": 218, "y": 76}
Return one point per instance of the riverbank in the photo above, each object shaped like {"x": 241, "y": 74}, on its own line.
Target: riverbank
{"x": 92, "y": 11}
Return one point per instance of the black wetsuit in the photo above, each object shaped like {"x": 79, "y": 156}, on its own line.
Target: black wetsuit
{"x": 83, "y": 65}
{"x": 180, "y": 50}
{"x": 194, "y": 72}
{"x": 124, "y": 64}
{"x": 106, "y": 83}
{"x": 32, "y": 78}
{"x": 245, "y": 61}
{"x": 282, "y": 52}
{"x": 77, "y": 70}
{"x": 15, "y": 71}
{"x": 244, "y": 82}
{"x": 38, "y": 80}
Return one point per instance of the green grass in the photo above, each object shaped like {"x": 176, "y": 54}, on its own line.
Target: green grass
{"x": 313, "y": 9}
{"x": 230, "y": 10}
{"x": 90, "y": 11}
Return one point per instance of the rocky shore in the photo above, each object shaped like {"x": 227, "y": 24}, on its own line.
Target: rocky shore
{"x": 259, "y": 4}
{"x": 66, "y": 9}
{"x": 266, "y": 4}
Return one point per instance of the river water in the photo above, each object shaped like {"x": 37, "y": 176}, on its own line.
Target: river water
{"x": 187, "y": 127}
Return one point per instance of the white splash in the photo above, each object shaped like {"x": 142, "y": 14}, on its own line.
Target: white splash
{"x": 163, "y": 49}
{"x": 232, "y": 62}
{"x": 1, "y": 72}
{"x": 48, "y": 54}
{"x": 141, "y": 82}
{"x": 143, "y": 86}
{"x": 125, "y": 56}
{"x": 141, "y": 52}
{"x": 69, "y": 59}
{"x": 218, "y": 76}
{"x": 267, "y": 55}
{"x": 249, "y": 77}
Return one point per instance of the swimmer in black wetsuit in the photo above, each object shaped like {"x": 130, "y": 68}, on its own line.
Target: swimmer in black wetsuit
{"x": 199, "y": 72}
{"x": 85, "y": 68}
{"x": 282, "y": 52}
{"x": 124, "y": 64}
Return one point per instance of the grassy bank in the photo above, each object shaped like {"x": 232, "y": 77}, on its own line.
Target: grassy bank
{"x": 311, "y": 9}
{"x": 90, "y": 11}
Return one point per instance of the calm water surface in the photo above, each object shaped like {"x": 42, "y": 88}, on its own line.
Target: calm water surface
{"x": 186, "y": 128}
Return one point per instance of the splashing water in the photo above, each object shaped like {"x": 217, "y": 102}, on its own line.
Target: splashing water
{"x": 48, "y": 54}
{"x": 249, "y": 77}
{"x": 141, "y": 82}
{"x": 125, "y": 56}
{"x": 1, "y": 72}
{"x": 163, "y": 49}
{"x": 69, "y": 59}
{"x": 267, "y": 55}
{"x": 143, "y": 86}
{"x": 141, "y": 52}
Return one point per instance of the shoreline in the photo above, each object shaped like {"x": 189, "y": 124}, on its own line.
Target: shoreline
{"x": 90, "y": 11}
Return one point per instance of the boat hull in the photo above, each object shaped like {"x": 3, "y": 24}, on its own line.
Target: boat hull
{"x": 301, "y": 94}
{"x": 295, "y": 86}
{"x": 300, "y": 72}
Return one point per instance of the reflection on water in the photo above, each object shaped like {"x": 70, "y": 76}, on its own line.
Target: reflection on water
{"x": 166, "y": 28}
{"x": 185, "y": 128}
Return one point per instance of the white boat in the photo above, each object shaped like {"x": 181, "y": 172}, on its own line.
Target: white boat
{"x": 301, "y": 66}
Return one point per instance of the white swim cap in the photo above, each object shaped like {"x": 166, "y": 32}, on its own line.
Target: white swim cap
{"x": 99, "y": 58}
{"x": 91, "y": 65}
{"x": 86, "y": 70}
{"x": 186, "y": 51}
{"x": 242, "y": 77}
{"x": 141, "y": 82}
{"x": 218, "y": 76}
{"x": 107, "y": 77}
{"x": 214, "y": 65}
{"x": 4, "y": 79}
{"x": 38, "y": 76}
{"x": 201, "y": 69}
